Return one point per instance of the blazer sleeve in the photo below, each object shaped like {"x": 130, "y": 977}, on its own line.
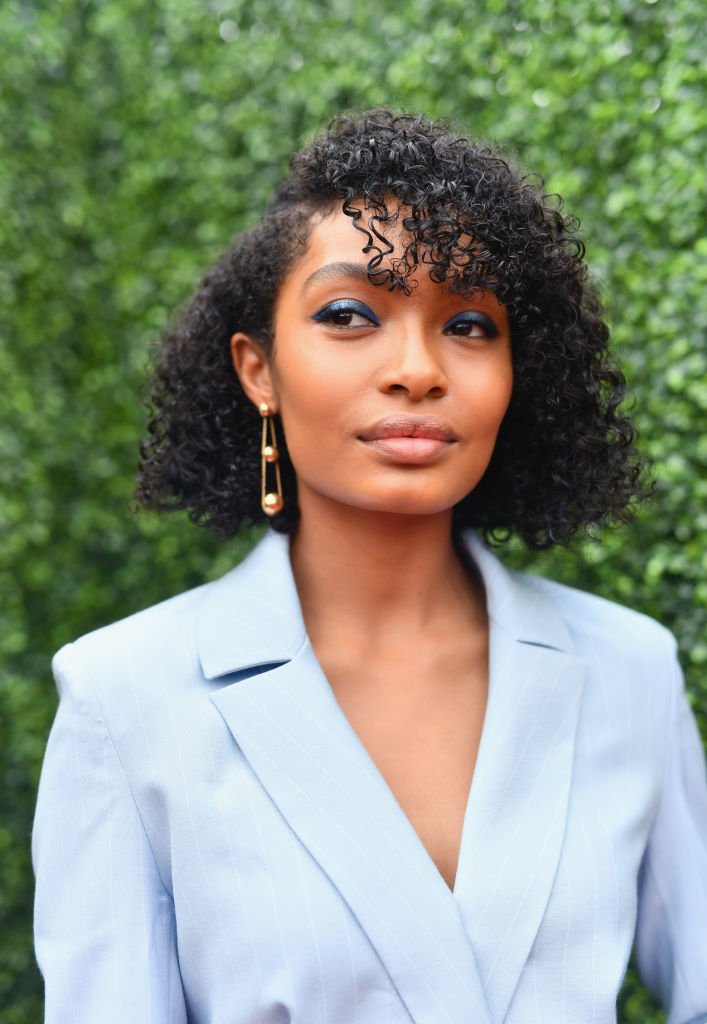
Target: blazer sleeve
{"x": 671, "y": 938}
{"x": 104, "y": 921}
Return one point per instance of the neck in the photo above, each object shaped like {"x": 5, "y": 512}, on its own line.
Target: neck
{"x": 374, "y": 575}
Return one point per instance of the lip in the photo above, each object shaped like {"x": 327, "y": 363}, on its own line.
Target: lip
{"x": 410, "y": 439}
{"x": 411, "y": 427}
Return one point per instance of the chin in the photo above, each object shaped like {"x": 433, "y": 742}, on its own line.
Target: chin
{"x": 408, "y": 504}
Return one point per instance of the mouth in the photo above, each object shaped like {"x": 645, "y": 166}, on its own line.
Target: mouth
{"x": 410, "y": 438}
{"x": 428, "y": 427}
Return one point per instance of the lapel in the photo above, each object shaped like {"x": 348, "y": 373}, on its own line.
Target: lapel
{"x": 517, "y": 809}
{"x": 436, "y": 946}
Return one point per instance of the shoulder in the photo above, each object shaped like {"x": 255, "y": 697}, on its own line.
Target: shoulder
{"x": 139, "y": 649}
{"x": 159, "y": 623}
{"x": 632, "y": 677}
{"x": 250, "y": 616}
{"x": 541, "y": 611}
{"x": 596, "y": 620}
{"x": 630, "y": 659}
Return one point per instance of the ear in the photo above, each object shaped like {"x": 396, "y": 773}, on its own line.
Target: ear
{"x": 252, "y": 367}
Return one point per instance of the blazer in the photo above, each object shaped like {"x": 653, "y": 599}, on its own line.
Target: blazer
{"x": 214, "y": 845}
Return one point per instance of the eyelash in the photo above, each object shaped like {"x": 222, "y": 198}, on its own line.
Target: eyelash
{"x": 346, "y": 307}
{"x": 475, "y": 320}
{"x": 350, "y": 308}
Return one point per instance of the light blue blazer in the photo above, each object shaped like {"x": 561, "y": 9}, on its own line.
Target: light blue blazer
{"x": 214, "y": 845}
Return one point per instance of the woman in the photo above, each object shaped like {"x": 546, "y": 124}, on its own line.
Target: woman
{"x": 370, "y": 775}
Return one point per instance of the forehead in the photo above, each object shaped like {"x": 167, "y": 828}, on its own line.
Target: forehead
{"x": 375, "y": 238}
{"x": 335, "y": 234}
{"x": 334, "y": 242}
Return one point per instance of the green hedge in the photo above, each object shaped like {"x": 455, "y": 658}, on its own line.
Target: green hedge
{"x": 136, "y": 137}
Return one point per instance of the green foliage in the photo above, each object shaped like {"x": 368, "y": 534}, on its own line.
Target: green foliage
{"x": 136, "y": 138}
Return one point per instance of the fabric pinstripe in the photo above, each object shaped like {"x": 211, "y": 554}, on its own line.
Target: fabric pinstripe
{"x": 214, "y": 845}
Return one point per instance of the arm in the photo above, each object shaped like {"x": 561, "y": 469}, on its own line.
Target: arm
{"x": 672, "y": 910}
{"x": 104, "y": 921}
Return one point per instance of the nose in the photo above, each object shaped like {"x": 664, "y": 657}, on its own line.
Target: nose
{"x": 412, "y": 367}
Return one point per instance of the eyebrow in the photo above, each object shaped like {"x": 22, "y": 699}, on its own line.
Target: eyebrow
{"x": 336, "y": 272}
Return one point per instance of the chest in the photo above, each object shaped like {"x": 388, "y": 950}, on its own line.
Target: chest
{"x": 421, "y": 726}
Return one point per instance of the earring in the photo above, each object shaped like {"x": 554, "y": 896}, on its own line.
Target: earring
{"x": 271, "y": 501}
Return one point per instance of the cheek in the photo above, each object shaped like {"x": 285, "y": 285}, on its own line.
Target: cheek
{"x": 313, "y": 379}
{"x": 489, "y": 395}
{"x": 313, "y": 397}
{"x": 500, "y": 400}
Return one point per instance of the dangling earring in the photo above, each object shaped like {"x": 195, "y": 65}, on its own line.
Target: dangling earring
{"x": 271, "y": 501}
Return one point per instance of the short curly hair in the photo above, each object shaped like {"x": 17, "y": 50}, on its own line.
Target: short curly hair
{"x": 565, "y": 457}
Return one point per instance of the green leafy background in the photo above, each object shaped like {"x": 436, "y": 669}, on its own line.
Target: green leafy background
{"x": 137, "y": 136}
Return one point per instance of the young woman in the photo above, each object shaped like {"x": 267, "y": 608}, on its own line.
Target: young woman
{"x": 371, "y": 775}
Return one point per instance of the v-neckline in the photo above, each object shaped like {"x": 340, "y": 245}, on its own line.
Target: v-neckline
{"x": 472, "y": 569}
{"x": 365, "y": 753}
{"x": 436, "y": 943}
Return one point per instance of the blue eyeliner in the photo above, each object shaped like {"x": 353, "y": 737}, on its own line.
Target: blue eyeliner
{"x": 345, "y": 306}
{"x": 478, "y": 319}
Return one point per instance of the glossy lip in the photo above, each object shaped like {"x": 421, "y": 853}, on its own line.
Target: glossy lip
{"x": 410, "y": 439}
{"x": 409, "y": 426}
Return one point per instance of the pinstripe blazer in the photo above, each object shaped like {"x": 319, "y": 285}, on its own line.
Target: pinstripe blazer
{"x": 213, "y": 843}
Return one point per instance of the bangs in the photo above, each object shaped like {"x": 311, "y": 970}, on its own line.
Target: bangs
{"x": 437, "y": 237}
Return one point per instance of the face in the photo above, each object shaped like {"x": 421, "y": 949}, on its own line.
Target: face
{"x": 389, "y": 402}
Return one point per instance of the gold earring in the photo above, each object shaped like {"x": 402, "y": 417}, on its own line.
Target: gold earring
{"x": 271, "y": 501}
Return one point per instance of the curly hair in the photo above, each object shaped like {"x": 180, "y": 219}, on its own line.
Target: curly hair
{"x": 564, "y": 459}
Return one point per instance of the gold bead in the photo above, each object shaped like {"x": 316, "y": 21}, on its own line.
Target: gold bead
{"x": 270, "y": 453}
{"x": 272, "y": 504}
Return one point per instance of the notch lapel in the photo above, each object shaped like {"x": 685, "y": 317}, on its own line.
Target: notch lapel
{"x": 287, "y": 723}
{"x": 436, "y": 946}
{"x": 297, "y": 740}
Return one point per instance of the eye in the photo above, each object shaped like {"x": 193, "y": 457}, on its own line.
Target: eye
{"x": 346, "y": 313}
{"x": 471, "y": 325}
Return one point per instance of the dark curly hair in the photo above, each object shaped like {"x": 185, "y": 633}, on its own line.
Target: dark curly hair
{"x": 564, "y": 458}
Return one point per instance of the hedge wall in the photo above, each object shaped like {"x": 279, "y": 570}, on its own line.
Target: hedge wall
{"x": 136, "y": 137}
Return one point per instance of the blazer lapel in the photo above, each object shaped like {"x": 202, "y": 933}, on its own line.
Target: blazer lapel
{"x": 286, "y": 721}
{"x": 517, "y": 809}
{"x": 281, "y": 711}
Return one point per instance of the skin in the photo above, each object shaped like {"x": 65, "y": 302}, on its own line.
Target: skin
{"x": 397, "y": 622}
